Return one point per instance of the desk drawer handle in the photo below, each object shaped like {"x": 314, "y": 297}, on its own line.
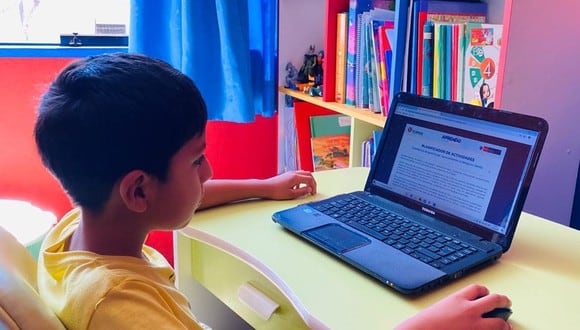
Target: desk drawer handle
{"x": 257, "y": 301}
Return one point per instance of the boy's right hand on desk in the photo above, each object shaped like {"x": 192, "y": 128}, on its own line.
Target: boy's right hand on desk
{"x": 289, "y": 185}
{"x": 461, "y": 310}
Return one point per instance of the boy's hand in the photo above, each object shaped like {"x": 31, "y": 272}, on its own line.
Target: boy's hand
{"x": 290, "y": 185}
{"x": 461, "y": 310}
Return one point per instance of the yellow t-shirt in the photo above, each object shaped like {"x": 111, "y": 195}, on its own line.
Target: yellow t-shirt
{"x": 91, "y": 291}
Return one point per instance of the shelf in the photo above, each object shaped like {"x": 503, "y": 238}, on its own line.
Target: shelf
{"x": 364, "y": 115}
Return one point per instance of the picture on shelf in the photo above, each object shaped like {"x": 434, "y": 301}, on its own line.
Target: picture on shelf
{"x": 330, "y": 152}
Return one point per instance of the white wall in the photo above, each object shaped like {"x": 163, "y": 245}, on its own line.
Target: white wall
{"x": 301, "y": 25}
{"x": 542, "y": 78}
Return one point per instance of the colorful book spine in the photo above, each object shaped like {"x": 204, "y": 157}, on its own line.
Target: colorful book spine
{"x": 454, "y": 47}
{"x": 376, "y": 68}
{"x": 362, "y": 56}
{"x": 438, "y": 60}
{"x": 355, "y": 8}
{"x": 413, "y": 85}
{"x": 398, "y": 44}
{"x": 448, "y": 60}
{"x": 379, "y": 17}
{"x": 384, "y": 60}
{"x": 333, "y": 7}
{"x": 341, "y": 27}
{"x": 427, "y": 74}
{"x": 443, "y": 11}
{"x": 461, "y": 61}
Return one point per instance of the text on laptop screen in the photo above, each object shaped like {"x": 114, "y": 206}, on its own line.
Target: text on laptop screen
{"x": 464, "y": 167}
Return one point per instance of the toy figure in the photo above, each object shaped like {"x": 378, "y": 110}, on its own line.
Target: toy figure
{"x": 317, "y": 70}
{"x": 291, "y": 76}
{"x": 310, "y": 61}
{"x": 290, "y": 82}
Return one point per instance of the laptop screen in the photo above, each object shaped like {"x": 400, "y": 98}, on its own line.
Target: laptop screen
{"x": 456, "y": 164}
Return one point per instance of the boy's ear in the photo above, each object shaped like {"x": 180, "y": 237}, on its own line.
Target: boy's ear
{"x": 136, "y": 190}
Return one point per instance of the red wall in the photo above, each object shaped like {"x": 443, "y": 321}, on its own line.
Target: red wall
{"x": 234, "y": 150}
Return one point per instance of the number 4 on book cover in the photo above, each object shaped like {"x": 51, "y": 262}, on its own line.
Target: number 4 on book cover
{"x": 481, "y": 63}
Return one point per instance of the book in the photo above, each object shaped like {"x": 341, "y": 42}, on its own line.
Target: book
{"x": 302, "y": 113}
{"x": 361, "y": 74}
{"x": 323, "y": 125}
{"x": 368, "y": 89}
{"x": 398, "y": 43}
{"x": 385, "y": 60}
{"x": 354, "y": 69}
{"x": 356, "y": 7}
{"x": 447, "y": 78}
{"x": 406, "y": 58}
{"x": 441, "y": 11}
{"x": 482, "y": 63}
{"x": 340, "y": 88}
{"x": 330, "y": 152}
{"x": 439, "y": 41}
{"x": 454, "y": 58}
{"x": 333, "y": 7}
{"x": 461, "y": 41}
{"x": 376, "y": 138}
{"x": 327, "y": 141}
{"x": 363, "y": 159}
{"x": 427, "y": 74}
{"x": 380, "y": 18}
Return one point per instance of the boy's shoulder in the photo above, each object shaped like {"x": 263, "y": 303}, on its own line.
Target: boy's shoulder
{"x": 83, "y": 286}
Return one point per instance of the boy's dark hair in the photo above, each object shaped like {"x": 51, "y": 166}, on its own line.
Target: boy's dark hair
{"x": 106, "y": 115}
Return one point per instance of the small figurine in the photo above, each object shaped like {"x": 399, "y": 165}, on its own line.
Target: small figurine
{"x": 290, "y": 82}
{"x": 317, "y": 70}
{"x": 291, "y": 76}
{"x": 310, "y": 61}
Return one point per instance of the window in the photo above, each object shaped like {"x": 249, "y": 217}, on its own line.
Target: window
{"x": 43, "y": 21}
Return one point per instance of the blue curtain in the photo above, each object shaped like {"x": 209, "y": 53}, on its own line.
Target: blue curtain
{"x": 228, "y": 47}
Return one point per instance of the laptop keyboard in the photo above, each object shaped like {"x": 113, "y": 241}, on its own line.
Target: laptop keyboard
{"x": 434, "y": 248}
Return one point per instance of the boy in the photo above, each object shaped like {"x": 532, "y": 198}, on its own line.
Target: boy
{"x": 125, "y": 136}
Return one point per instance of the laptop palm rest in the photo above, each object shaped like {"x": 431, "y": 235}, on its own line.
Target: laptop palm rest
{"x": 375, "y": 258}
{"x": 336, "y": 238}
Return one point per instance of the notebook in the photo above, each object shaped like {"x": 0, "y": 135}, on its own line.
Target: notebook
{"x": 443, "y": 195}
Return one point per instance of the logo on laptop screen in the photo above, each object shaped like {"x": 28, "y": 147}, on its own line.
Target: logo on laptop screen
{"x": 414, "y": 131}
{"x": 451, "y": 138}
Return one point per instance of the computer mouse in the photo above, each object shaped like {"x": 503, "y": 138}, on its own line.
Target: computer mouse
{"x": 502, "y": 312}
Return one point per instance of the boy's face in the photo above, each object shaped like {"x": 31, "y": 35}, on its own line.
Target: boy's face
{"x": 180, "y": 195}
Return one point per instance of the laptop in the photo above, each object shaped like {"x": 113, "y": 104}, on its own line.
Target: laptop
{"x": 443, "y": 195}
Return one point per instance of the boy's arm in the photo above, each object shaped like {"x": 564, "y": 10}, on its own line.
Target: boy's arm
{"x": 289, "y": 185}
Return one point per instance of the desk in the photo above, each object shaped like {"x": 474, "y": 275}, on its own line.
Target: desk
{"x": 540, "y": 273}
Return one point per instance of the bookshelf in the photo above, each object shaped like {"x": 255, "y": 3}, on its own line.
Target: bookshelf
{"x": 364, "y": 115}
{"x": 363, "y": 120}
{"x": 539, "y": 85}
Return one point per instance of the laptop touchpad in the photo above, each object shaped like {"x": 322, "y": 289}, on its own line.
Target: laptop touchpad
{"x": 336, "y": 238}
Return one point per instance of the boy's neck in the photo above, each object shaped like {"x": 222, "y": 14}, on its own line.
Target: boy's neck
{"x": 108, "y": 234}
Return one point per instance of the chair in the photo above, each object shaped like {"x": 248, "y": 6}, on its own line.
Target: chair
{"x": 243, "y": 283}
{"x": 20, "y": 304}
